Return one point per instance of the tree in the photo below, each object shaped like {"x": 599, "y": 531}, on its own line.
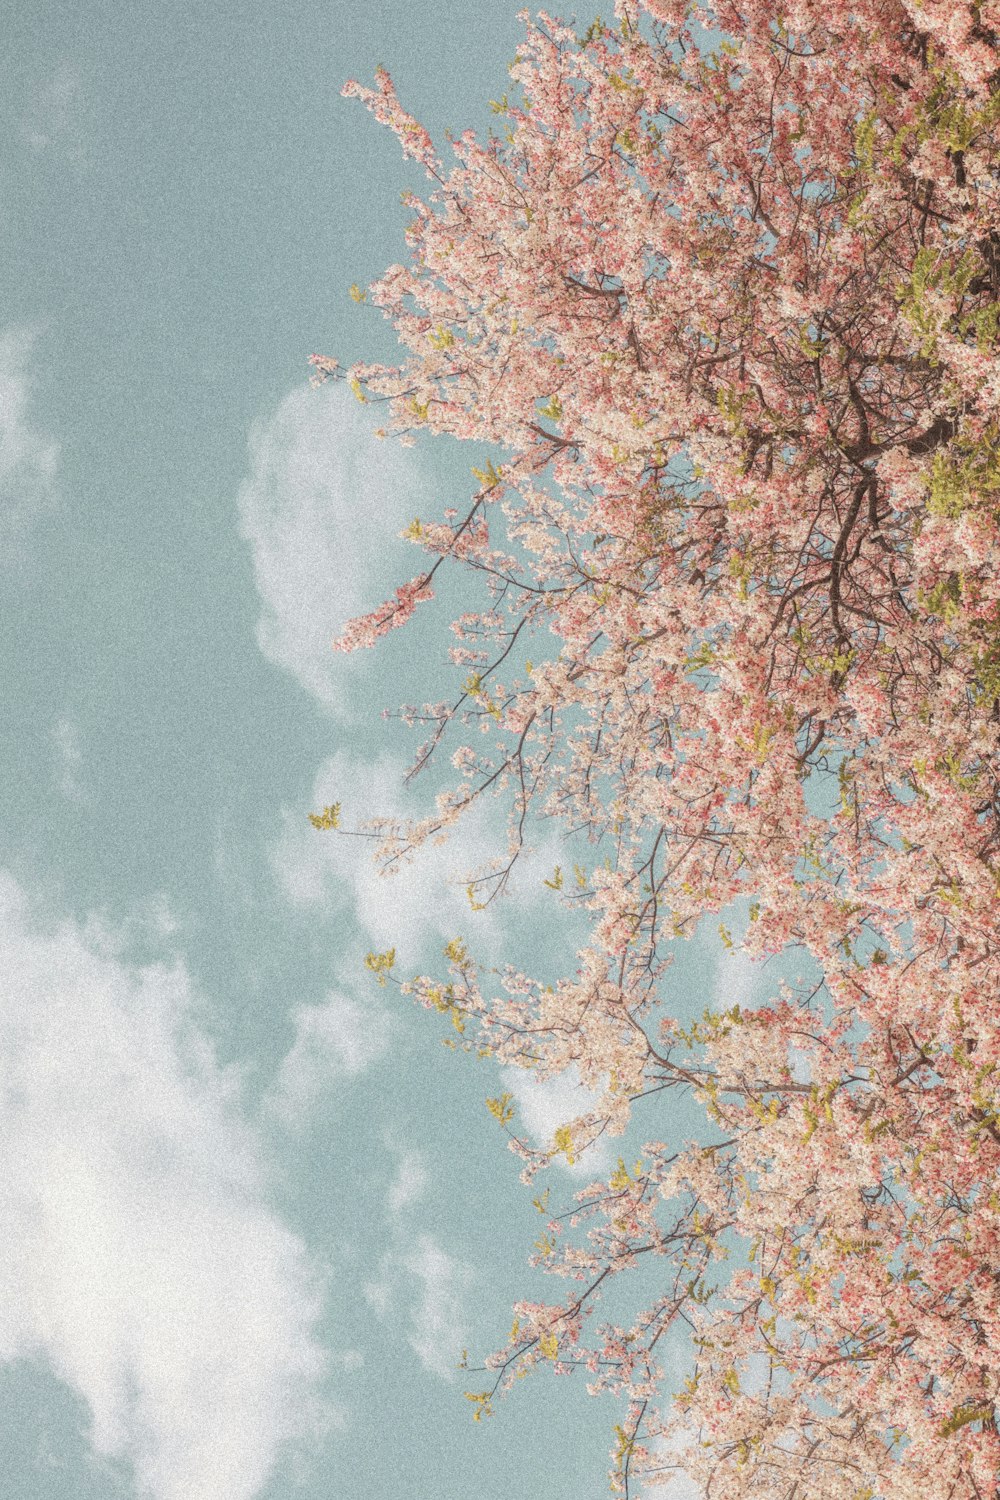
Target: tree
{"x": 724, "y": 297}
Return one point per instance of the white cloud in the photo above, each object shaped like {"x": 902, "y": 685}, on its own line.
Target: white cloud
{"x": 380, "y": 1294}
{"x": 434, "y": 1284}
{"x": 422, "y": 902}
{"x": 544, "y": 1105}
{"x": 324, "y": 501}
{"x": 150, "y": 927}
{"x": 69, "y": 758}
{"x": 350, "y": 1360}
{"x": 339, "y": 1038}
{"x": 28, "y": 458}
{"x": 438, "y": 1330}
{"x": 140, "y": 1256}
{"x": 59, "y": 116}
{"x": 409, "y": 1184}
{"x": 739, "y": 979}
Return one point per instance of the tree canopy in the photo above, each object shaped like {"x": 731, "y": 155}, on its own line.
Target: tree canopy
{"x": 722, "y": 294}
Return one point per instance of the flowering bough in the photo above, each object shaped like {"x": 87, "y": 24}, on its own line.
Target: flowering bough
{"x": 725, "y": 296}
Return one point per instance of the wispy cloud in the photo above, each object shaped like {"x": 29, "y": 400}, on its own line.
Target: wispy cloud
{"x": 421, "y": 902}
{"x": 409, "y": 1184}
{"x": 59, "y": 115}
{"x": 379, "y": 1294}
{"x": 542, "y": 1106}
{"x": 28, "y": 457}
{"x": 419, "y": 1287}
{"x": 324, "y": 501}
{"x": 141, "y": 1257}
{"x": 337, "y": 1039}
{"x": 68, "y": 758}
{"x": 438, "y": 1329}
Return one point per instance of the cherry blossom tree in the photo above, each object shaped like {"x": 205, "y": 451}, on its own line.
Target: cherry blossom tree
{"x": 722, "y": 296}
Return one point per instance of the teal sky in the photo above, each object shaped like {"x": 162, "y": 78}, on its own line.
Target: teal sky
{"x": 253, "y": 1210}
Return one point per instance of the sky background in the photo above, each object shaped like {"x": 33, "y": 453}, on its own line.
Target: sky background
{"x": 252, "y": 1209}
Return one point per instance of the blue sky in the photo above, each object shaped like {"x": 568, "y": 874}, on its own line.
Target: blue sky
{"x": 253, "y": 1210}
